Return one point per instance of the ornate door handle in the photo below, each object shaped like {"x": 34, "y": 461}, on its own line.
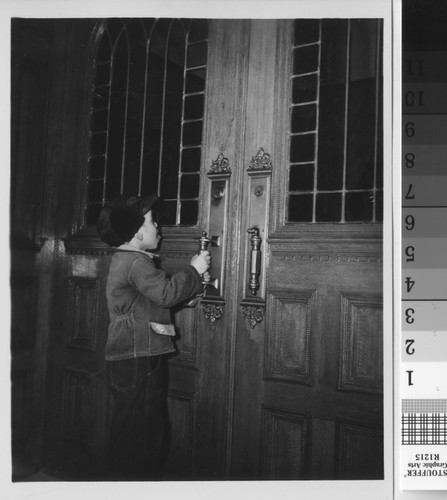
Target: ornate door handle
{"x": 204, "y": 241}
{"x": 255, "y": 259}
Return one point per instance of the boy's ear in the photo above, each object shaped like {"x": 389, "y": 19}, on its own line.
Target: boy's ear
{"x": 139, "y": 236}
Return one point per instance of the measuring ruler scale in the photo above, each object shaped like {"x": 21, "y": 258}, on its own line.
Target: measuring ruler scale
{"x": 423, "y": 369}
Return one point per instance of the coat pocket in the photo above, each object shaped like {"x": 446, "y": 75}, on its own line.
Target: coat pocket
{"x": 162, "y": 329}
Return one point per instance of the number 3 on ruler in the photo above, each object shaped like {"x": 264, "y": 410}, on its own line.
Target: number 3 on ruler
{"x": 409, "y": 315}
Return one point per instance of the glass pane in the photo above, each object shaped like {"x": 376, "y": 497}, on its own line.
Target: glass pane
{"x": 359, "y": 206}
{"x": 328, "y": 207}
{"x": 134, "y": 122}
{"x": 153, "y": 115}
{"x": 114, "y": 27}
{"x": 304, "y": 118}
{"x": 102, "y": 76}
{"x": 169, "y": 184}
{"x": 95, "y": 189}
{"x": 120, "y": 65}
{"x": 192, "y": 133}
{"x": 302, "y": 148}
{"x": 306, "y": 31}
{"x": 193, "y": 107}
{"x": 113, "y": 182}
{"x": 305, "y": 60}
{"x": 100, "y": 97}
{"x": 191, "y": 160}
{"x": 168, "y": 213}
{"x": 195, "y": 81}
{"x": 300, "y": 208}
{"x": 197, "y": 55}
{"x": 173, "y": 113}
{"x": 92, "y": 214}
{"x": 188, "y": 212}
{"x": 362, "y": 105}
{"x": 98, "y": 144}
{"x": 334, "y": 39}
{"x": 198, "y": 30}
{"x": 137, "y": 46}
{"x": 104, "y": 50}
{"x": 332, "y": 105}
{"x": 148, "y": 24}
{"x": 149, "y": 181}
{"x": 115, "y": 144}
{"x": 301, "y": 177}
{"x": 96, "y": 167}
{"x": 99, "y": 120}
{"x": 304, "y": 89}
{"x": 189, "y": 187}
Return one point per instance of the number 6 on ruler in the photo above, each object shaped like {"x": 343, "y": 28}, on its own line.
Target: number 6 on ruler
{"x": 409, "y": 222}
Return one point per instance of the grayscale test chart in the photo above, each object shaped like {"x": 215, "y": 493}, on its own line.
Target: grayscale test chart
{"x": 423, "y": 370}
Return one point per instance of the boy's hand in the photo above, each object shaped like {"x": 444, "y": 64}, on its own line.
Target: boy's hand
{"x": 201, "y": 261}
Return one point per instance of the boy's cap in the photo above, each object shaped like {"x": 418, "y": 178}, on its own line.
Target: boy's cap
{"x": 121, "y": 219}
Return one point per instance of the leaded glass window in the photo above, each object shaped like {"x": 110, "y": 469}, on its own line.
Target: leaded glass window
{"x": 147, "y": 109}
{"x": 335, "y": 134}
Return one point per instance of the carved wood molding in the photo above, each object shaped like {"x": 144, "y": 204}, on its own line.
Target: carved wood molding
{"x": 185, "y": 321}
{"x": 330, "y": 258}
{"x": 352, "y": 439}
{"x": 213, "y": 311}
{"x": 275, "y": 425}
{"x": 220, "y": 166}
{"x": 86, "y": 243}
{"x": 353, "y": 328}
{"x": 253, "y": 314}
{"x": 261, "y": 161}
{"x": 84, "y": 296}
{"x": 298, "y": 367}
{"x": 182, "y": 411}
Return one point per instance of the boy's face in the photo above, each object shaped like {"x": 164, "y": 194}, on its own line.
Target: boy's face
{"x": 149, "y": 231}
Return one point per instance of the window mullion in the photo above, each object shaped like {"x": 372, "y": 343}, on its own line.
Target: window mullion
{"x": 345, "y": 139}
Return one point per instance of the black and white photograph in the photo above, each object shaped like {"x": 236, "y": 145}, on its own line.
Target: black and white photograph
{"x": 199, "y": 208}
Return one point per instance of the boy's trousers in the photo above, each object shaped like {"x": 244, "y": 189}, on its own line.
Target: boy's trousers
{"x": 139, "y": 418}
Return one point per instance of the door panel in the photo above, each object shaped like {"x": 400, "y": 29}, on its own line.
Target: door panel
{"x": 292, "y": 373}
{"x": 200, "y": 388}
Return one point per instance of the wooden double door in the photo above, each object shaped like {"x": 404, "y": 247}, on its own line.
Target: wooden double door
{"x": 279, "y": 367}
{"x": 279, "y": 372}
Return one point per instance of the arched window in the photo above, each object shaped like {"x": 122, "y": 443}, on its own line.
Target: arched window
{"x": 147, "y": 107}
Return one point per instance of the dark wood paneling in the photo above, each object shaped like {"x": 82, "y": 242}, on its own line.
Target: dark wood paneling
{"x": 77, "y": 406}
{"x": 285, "y": 443}
{"x": 361, "y": 359}
{"x": 186, "y": 325}
{"x": 182, "y": 410}
{"x": 288, "y": 354}
{"x": 83, "y": 305}
{"x": 21, "y": 397}
{"x": 24, "y": 296}
{"x": 360, "y": 452}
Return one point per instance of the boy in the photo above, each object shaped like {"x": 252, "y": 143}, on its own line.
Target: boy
{"x": 140, "y": 333}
